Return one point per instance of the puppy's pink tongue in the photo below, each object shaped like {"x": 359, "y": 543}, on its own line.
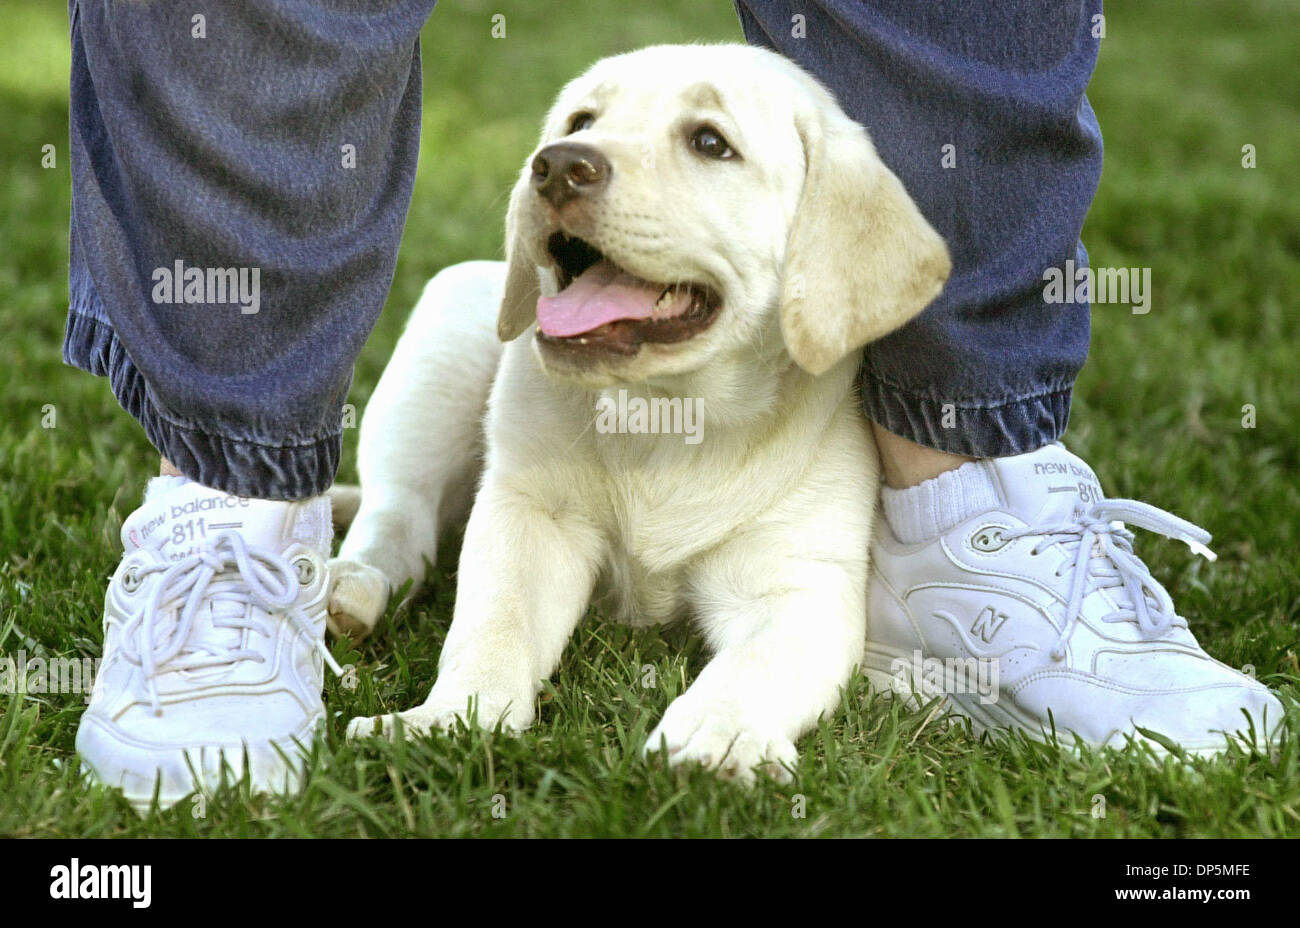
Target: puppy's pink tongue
{"x": 602, "y": 294}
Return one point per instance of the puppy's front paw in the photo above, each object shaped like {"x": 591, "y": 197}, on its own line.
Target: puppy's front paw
{"x": 442, "y": 711}
{"x": 716, "y": 736}
{"x": 358, "y": 595}
{"x": 415, "y": 723}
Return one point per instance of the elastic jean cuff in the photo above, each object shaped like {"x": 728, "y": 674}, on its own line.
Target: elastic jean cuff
{"x": 241, "y": 468}
{"x": 978, "y": 430}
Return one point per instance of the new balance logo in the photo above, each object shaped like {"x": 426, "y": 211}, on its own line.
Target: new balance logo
{"x": 987, "y": 624}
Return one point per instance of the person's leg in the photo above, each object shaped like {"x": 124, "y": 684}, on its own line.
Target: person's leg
{"x": 241, "y": 176}
{"x": 979, "y": 108}
{"x": 997, "y": 549}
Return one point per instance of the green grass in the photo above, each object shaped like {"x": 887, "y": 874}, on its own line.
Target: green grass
{"x": 1181, "y": 87}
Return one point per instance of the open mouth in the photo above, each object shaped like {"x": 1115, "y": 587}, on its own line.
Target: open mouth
{"x": 602, "y": 308}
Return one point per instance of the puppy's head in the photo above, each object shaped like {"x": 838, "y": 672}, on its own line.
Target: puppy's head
{"x": 687, "y": 203}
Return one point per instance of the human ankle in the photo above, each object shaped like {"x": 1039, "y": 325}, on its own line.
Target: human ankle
{"x": 905, "y": 464}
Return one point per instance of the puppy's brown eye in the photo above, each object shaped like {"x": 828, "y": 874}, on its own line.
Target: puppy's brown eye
{"x": 709, "y": 142}
{"x": 581, "y": 121}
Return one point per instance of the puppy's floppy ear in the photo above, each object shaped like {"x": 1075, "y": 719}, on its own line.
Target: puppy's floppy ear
{"x": 519, "y": 303}
{"x": 861, "y": 259}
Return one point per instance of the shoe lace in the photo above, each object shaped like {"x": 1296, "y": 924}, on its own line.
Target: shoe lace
{"x": 225, "y": 570}
{"x": 1102, "y": 548}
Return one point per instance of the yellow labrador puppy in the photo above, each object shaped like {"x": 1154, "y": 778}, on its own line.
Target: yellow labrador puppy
{"x": 696, "y": 252}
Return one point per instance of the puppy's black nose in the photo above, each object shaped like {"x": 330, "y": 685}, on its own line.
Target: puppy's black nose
{"x": 567, "y": 170}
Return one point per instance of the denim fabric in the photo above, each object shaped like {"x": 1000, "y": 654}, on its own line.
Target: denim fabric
{"x": 226, "y": 150}
{"x": 988, "y": 368}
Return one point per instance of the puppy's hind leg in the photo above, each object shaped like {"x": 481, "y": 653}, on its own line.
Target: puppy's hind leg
{"x": 420, "y": 445}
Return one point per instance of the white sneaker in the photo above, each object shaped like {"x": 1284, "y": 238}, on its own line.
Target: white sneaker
{"x": 1034, "y": 603}
{"x": 214, "y": 628}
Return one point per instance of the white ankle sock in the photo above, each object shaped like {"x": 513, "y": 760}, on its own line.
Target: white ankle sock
{"x": 163, "y": 484}
{"x": 932, "y": 507}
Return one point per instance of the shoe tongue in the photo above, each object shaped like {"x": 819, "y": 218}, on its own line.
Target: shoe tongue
{"x": 602, "y": 294}
{"x": 1047, "y": 485}
{"x": 178, "y": 520}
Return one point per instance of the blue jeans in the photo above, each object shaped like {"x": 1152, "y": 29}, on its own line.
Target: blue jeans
{"x": 240, "y": 186}
{"x": 279, "y": 144}
{"x": 988, "y": 368}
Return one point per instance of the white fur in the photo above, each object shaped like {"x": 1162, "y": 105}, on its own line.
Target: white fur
{"x": 760, "y": 532}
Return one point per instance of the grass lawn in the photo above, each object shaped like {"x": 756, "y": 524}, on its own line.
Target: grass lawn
{"x": 1181, "y": 87}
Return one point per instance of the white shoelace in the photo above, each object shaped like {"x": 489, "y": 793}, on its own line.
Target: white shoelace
{"x": 259, "y": 578}
{"x": 1103, "y": 554}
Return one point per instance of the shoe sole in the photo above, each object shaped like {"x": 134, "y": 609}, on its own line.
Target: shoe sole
{"x": 141, "y": 803}
{"x": 879, "y": 666}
